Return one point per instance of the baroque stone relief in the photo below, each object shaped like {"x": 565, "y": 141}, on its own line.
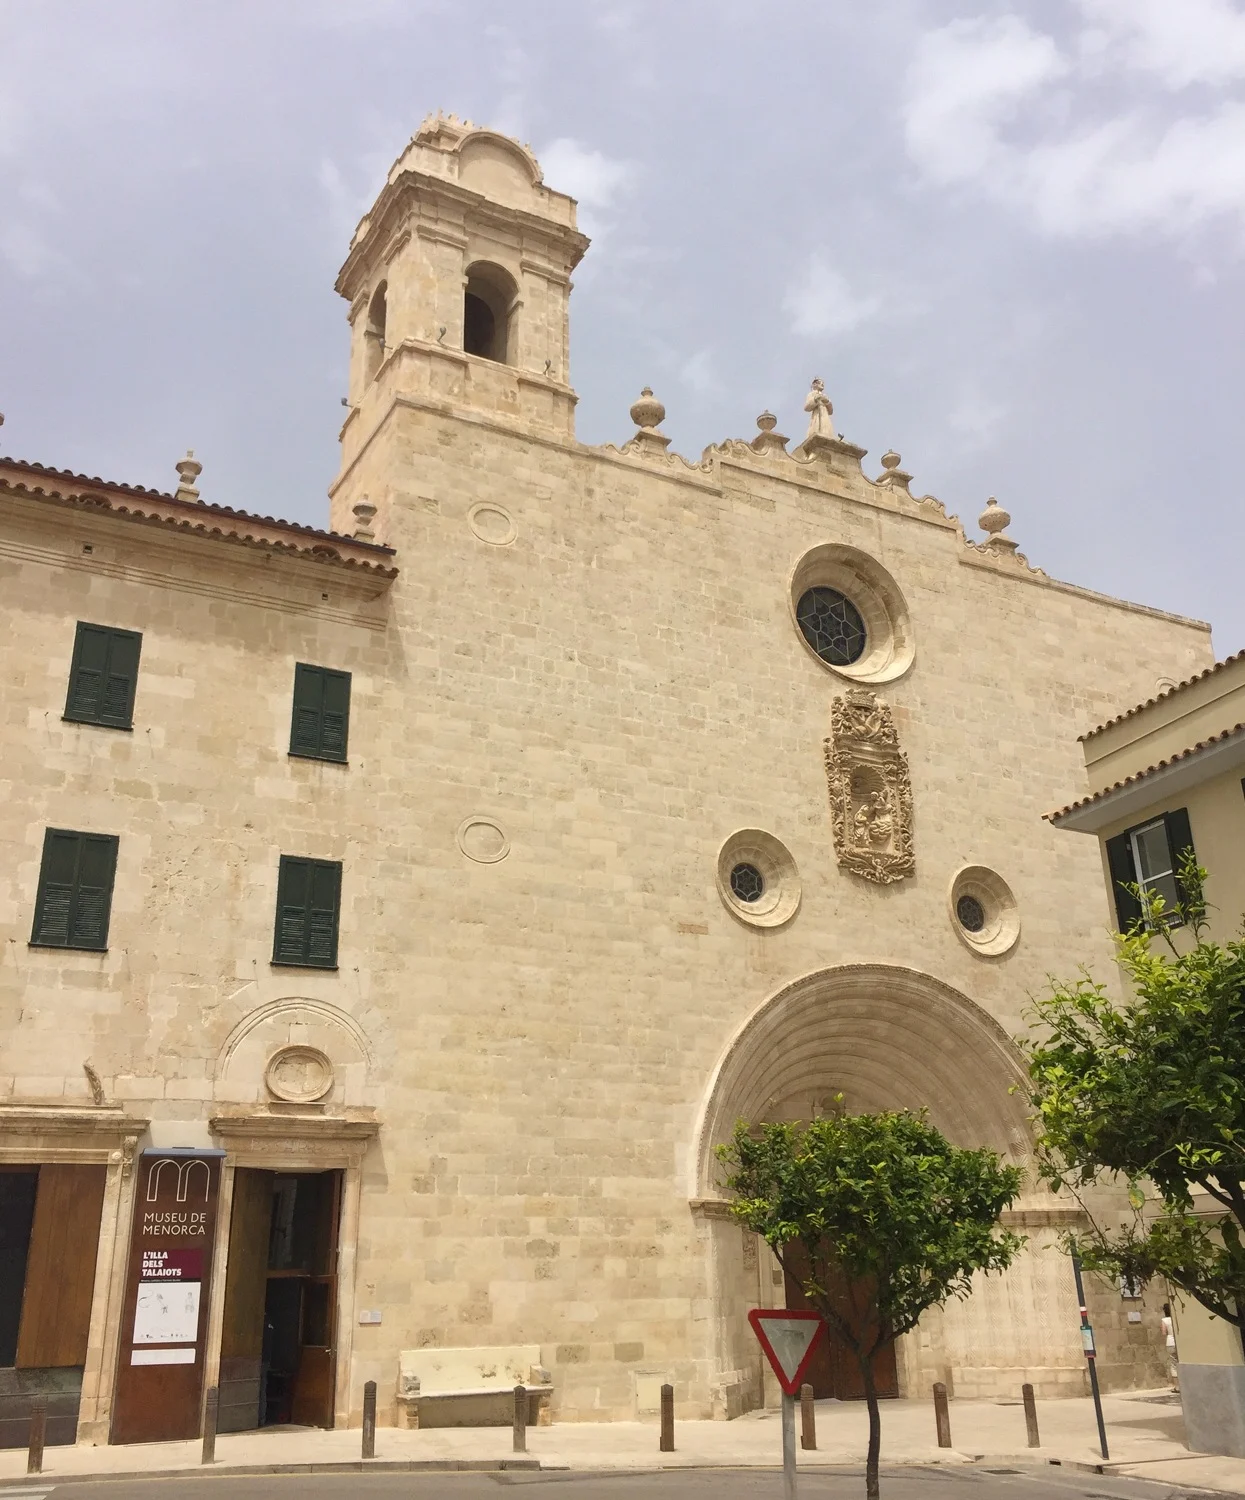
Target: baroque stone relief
{"x": 870, "y": 791}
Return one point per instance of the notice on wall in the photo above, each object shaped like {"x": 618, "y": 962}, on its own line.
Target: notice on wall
{"x": 163, "y": 1356}
{"x": 167, "y": 1312}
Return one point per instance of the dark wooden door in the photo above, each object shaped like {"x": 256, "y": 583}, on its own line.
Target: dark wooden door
{"x": 60, "y": 1269}
{"x": 834, "y": 1370}
{"x": 246, "y": 1280}
{"x": 312, "y": 1402}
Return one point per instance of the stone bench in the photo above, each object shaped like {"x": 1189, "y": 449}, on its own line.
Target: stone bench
{"x": 471, "y": 1387}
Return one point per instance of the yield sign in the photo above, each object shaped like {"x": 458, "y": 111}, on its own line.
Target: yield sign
{"x": 788, "y": 1337}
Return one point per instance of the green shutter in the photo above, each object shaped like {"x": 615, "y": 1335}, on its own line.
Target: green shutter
{"x": 320, "y": 723}
{"x": 1179, "y": 841}
{"x": 308, "y": 897}
{"x": 1123, "y": 872}
{"x": 58, "y": 875}
{"x": 308, "y": 710}
{"x": 326, "y": 881}
{"x": 103, "y": 676}
{"x": 74, "y": 901}
{"x": 97, "y": 868}
{"x": 335, "y": 723}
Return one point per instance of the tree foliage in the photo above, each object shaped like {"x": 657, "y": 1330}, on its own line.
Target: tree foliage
{"x": 1153, "y": 1091}
{"x": 892, "y": 1217}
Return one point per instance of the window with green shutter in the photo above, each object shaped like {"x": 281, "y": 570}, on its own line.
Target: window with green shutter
{"x": 75, "y": 890}
{"x": 103, "y": 676}
{"x": 1149, "y": 856}
{"x": 320, "y": 725}
{"x": 308, "y": 903}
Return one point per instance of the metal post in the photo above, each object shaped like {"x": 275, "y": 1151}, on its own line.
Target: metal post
{"x": 808, "y": 1418}
{"x": 942, "y": 1417}
{"x": 520, "y": 1419}
{"x": 1031, "y": 1427}
{"x": 211, "y": 1404}
{"x": 38, "y": 1431}
{"x": 1087, "y": 1339}
{"x": 666, "y": 1444}
{"x": 369, "y": 1419}
{"x": 788, "y": 1447}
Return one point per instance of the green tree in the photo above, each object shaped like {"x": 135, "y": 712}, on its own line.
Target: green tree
{"x": 883, "y": 1205}
{"x": 1153, "y": 1092}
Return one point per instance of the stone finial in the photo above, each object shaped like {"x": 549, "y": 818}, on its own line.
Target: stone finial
{"x": 994, "y": 521}
{"x": 363, "y": 514}
{"x": 647, "y": 413}
{"x": 892, "y": 474}
{"x": 767, "y": 440}
{"x": 188, "y": 470}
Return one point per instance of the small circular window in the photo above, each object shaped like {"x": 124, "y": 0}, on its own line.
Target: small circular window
{"x": 983, "y": 911}
{"x": 832, "y": 626}
{"x": 747, "y": 883}
{"x": 757, "y": 878}
{"x": 970, "y": 914}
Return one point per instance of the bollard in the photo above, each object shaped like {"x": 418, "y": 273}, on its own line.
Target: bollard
{"x": 808, "y": 1418}
{"x": 38, "y": 1431}
{"x": 520, "y": 1419}
{"x": 942, "y": 1417}
{"x": 1031, "y": 1427}
{"x": 667, "y": 1420}
{"x": 369, "y": 1419}
{"x": 211, "y": 1403}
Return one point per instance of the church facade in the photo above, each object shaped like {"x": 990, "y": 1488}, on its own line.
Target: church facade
{"x": 396, "y": 916}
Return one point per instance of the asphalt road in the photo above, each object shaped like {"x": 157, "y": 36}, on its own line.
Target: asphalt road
{"x": 714, "y": 1484}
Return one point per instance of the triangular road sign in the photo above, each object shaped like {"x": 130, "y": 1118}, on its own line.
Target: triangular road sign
{"x": 788, "y": 1336}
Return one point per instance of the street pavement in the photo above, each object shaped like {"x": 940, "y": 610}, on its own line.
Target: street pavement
{"x": 912, "y": 1483}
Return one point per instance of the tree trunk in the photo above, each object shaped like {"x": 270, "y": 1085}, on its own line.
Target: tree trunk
{"x": 875, "y": 1427}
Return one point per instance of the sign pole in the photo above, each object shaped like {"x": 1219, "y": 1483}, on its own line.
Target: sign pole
{"x": 788, "y": 1446}
{"x": 788, "y": 1337}
{"x": 1087, "y": 1339}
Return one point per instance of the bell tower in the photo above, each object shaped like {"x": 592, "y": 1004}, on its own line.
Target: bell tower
{"x": 458, "y": 280}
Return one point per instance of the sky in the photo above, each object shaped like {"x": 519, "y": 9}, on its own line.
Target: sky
{"x": 1010, "y": 238}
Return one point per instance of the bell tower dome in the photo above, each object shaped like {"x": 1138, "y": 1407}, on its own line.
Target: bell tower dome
{"x": 458, "y": 280}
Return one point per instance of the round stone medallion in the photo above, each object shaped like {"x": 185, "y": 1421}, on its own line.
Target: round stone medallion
{"x": 482, "y": 839}
{"x": 492, "y": 523}
{"x": 299, "y": 1075}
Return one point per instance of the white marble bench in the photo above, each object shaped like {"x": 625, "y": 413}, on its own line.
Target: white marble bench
{"x": 471, "y": 1387}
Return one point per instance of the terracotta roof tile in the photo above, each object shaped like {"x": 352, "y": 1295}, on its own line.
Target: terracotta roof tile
{"x": 158, "y": 508}
{"x": 1160, "y": 765}
{"x": 1166, "y": 693}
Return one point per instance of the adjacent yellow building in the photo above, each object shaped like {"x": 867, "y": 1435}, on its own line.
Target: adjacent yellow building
{"x": 1166, "y": 776}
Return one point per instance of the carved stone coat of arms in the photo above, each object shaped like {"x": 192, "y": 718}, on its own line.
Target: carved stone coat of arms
{"x": 870, "y": 792}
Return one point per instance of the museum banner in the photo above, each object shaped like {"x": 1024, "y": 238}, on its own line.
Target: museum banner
{"x": 159, "y": 1390}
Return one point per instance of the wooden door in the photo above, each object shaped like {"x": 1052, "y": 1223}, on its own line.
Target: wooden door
{"x": 60, "y": 1268}
{"x": 835, "y": 1370}
{"x": 246, "y": 1280}
{"x": 312, "y": 1402}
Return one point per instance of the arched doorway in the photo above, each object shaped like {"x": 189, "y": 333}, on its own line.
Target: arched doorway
{"x": 887, "y": 1037}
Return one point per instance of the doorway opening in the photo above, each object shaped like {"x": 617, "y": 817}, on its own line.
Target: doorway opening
{"x": 278, "y": 1342}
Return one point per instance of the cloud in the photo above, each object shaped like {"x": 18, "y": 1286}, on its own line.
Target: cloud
{"x": 821, "y": 302}
{"x": 1192, "y": 41}
{"x": 27, "y": 251}
{"x": 700, "y": 374}
{"x": 592, "y": 178}
{"x": 997, "y": 107}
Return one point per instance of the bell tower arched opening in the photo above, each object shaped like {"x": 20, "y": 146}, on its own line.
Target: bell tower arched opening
{"x": 374, "y": 334}
{"x": 489, "y": 304}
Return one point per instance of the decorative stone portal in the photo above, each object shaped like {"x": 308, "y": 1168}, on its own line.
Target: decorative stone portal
{"x": 885, "y": 1037}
